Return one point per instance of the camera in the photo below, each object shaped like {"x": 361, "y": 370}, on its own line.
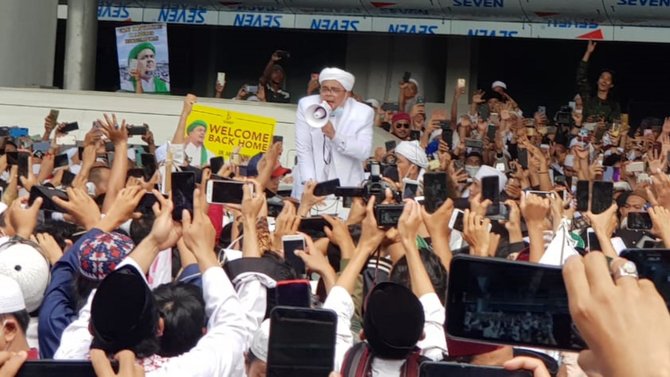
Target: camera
{"x": 283, "y": 55}
{"x": 375, "y": 186}
{"x": 563, "y": 116}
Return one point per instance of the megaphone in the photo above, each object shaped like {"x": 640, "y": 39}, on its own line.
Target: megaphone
{"x": 317, "y": 115}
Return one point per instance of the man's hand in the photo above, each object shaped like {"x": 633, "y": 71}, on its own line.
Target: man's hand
{"x": 24, "y": 220}
{"x": 328, "y": 130}
{"x": 338, "y": 233}
{"x": 128, "y": 367}
{"x": 308, "y": 199}
{"x": 287, "y": 223}
{"x": 115, "y": 133}
{"x": 513, "y": 225}
{"x": 252, "y": 202}
{"x": 164, "y": 233}
{"x": 126, "y": 201}
{"x": 478, "y": 97}
{"x": 371, "y": 234}
{"x": 410, "y": 221}
{"x": 49, "y": 246}
{"x": 476, "y": 232}
{"x": 187, "y": 107}
{"x": 11, "y": 362}
{"x": 590, "y": 47}
{"x": 528, "y": 363}
{"x": 148, "y": 137}
{"x": 81, "y": 207}
{"x": 199, "y": 233}
{"x": 479, "y": 206}
{"x": 534, "y": 208}
{"x": 314, "y": 260}
{"x": 660, "y": 217}
{"x": 438, "y": 222}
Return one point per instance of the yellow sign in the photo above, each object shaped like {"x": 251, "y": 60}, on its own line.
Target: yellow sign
{"x": 225, "y": 130}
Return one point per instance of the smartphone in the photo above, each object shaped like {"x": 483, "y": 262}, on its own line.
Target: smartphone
{"x": 221, "y": 78}
{"x": 542, "y": 194}
{"x": 216, "y": 163}
{"x": 410, "y": 188}
{"x": 277, "y": 139}
{"x": 53, "y": 114}
{"x": 132, "y": 65}
{"x": 295, "y": 293}
{"x": 390, "y": 106}
{"x": 137, "y": 130}
{"x": 456, "y": 221}
{"x": 135, "y": 172}
{"x": 592, "y": 241}
{"x": 406, "y": 76}
{"x": 387, "y": 215}
{"x": 582, "y": 196}
{"x": 441, "y": 369}
{"x": 61, "y": 160}
{"x": 569, "y": 160}
{"x": 327, "y": 187}
{"x": 60, "y": 368}
{"x": 47, "y": 193}
{"x": 490, "y": 189}
{"x": 41, "y": 146}
{"x": 636, "y": 167}
{"x": 146, "y": 203}
{"x": 183, "y": 185}
{"x": 67, "y": 127}
{"x": 414, "y": 135}
{"x": 602, "y": 196}
{"x": 350, "y": 192}
{"x": 639, "y": 221}
{"x": 611, "y": 174}
{"x": 491, "y": 132}
{"x": 652, "y": 264}
{"x": 67, "y": 178}
{"x": 474, "y": 143}
{"x": 460, "y": 83}
{"x": 23, "y": 162}
{"x": 290, "y": 244}
{"x": 523, "y": 158}
{"x": 390, "y": 145}
{"x": 506, "y": 302}
{"x": 313, "y": 224}
{"x": 219, "y": 192}
{"x": 434, "y": 190}
{"x": 251, "y": 89}
{"x": 301, "y": 343}
{"x": 149, "y": 165}
{"x": 447, "y": 134}
{"x": 12, "y": 158}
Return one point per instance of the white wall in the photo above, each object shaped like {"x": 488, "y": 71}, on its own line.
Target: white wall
{"x": 27, "y": 42}
{"x": 29, "y": 107}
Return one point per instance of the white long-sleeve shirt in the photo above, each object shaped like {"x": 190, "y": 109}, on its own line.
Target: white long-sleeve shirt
{"x": 433, "y": 346}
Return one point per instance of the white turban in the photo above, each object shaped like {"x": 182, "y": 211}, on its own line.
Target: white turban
{"x": 500, "y": 84}
{"x": 412, "y": 151}
{"x": 488, "y": 171}
{"x": 343, "y": 77}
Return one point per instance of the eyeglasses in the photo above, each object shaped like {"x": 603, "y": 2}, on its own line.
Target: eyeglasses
{"x": 403, "y": 125}
{"x": 336, "y": 91}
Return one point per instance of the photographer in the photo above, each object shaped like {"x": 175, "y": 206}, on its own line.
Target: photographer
{"x": 601, "y": 106}
{"x": 273, "y": 79}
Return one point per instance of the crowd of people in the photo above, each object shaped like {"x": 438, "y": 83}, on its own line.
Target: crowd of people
{"x": 90, "y": 271}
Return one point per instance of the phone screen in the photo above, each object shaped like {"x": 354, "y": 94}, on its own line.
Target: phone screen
{"x": 68, "y": 178}
{"x": 294, "y": 293}
{"x": 69, "y": 127}
{"x": 507, "y": 302}
{"x": 441, "y": 369}
{"x": 61, "y": 160}
{"x": 523, "y": 158}
{"x": 327, "y": 187}
{"x": 602, "y": 197}
{"x": 458, "y": 220}
{"x": 447, "y": 136}
{"x": 491, "y": 191}
{"x": 149, "y": 165}
{"x": 291, "y": 244}
{"x": 59, "y": 368}
{"x": 652, "y": 264}
{"x": 582, "y": 196}
{"x": 434, "y": 190}
{"x": 23, "y": 160}
{"x": 46, "y": 194}
{"x": 491, "y": 132}
{"x": 409, "y": 190}
{"x": 302, "y": 342}
{"x": 639, "y": 221}
{"x": 388, "y": 214}
{"x": 216, "y": 163}
{"x": 226, "y": 192}
{"x": 183, "y": 185}
{"x": 415, "y": 135}
{"x": 592, "y": 241}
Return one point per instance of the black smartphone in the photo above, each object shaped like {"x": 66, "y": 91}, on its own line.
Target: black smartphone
{"x": 639, "y": 221}
{"x": 410, "y": 189}
{"x": 67, "y": 127}
{"x": 183, "y": 185}
{"x": 290, "y": 244}
{"x": 499, "y": 301}
{"x": 137, "y": 130}
{"x": 406, "y": 76}
{"x": 216, "y": 163}
{"x": 61, "y": 160}
{"x": 448, "y": 135}
{"x": 60, "y": 368}
{"x": 225, "y": 191}
{"x": 293, "y": 293}
{"x": 327, "y": 187}
{"x": 490, "y": 189}
{"x": 277, "y": 139}
{"x": 592, "y": 241}
{"x": 47, "y": 194}
{"x": 456, "y": 221}
{"x": 135, "y": 172}
{"x": 523, "y": 157}
{"x": 350, "y": 192}
{"x": 415, "y": 135}
{"x": 434, "y": 190}
{"x": 390, "y": 145}
{"x": 441, "y": 369}
{"x": 12, "y": 158}
{"x": 302, "y": 342}
{"x": 652, "y": 264}
{"x": 387, "y": 215}
{"x": 491, "y": 133}
{"x": 23, "y": 162}
{"x": 582, "y": 196}
{"x": 313, "y": 224}
{"x": 149, "y": 165}
{"x": 146, "y": 203}
{"x": 390, "y": 106}
{"x": 67, "y": 178}
{"x": 474, "y": 143}
{"x": 602, "y": 196}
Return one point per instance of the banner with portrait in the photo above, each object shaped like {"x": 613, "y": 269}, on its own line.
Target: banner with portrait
{"x": 142, "y": 53}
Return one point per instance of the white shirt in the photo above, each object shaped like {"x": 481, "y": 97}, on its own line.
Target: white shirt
{"x": 194, "y": 152}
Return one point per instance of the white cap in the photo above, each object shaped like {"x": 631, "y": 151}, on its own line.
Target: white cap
{"x": 413, "y": 81}
{"x": 412, "y": 151}
{"x": 11, "y": 298}
{"x": 373, "y": 102}
{"x": 488, "y": 171}
{"x": 498, "y": 83}
{"x": 28, "y": 267}
{"x": 343, "y": 77}
{"x": 260, "y": 342}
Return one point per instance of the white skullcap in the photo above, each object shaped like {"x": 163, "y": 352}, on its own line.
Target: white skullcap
{"x": 28, "y": 267}
{"x": 11, "y": 298}
{"x": 260, "y": 342}
{"x": 412, "y": 151}
{"x": 373, "y": 102}
{"x": 413, "y": 81}
{"x": 343, "y": 77}
{"x": 488, "y": 171}
{"x": 498, "y": 83}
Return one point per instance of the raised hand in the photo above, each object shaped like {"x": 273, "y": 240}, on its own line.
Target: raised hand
{"x": 110, "y": 128}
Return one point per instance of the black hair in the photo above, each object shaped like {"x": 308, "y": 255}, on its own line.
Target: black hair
{"x": 81, "y": 289}
{"x": 140, "y": 228}
{"x": 182, "y": 308}
{"x": 95, "y": 175}
{"x": 22, "y": 318}
{"x": 611, "y": 72}
{"x": 611, "y": 160}
{"x": 436, "y": 272}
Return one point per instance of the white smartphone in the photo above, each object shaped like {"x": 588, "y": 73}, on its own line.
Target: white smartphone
{"x": 635, "y": 167}
{"x": 221, "y": 78}
{"x": 132, "y": 65}
{"x": 220, "y": 192}
{"x": 461, "y": 83}
{"x": 456, "y": 221}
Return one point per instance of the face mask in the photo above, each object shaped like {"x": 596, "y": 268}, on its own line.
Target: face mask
{"x": 337, "y": 112}
{"x": 471, "y": 170}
